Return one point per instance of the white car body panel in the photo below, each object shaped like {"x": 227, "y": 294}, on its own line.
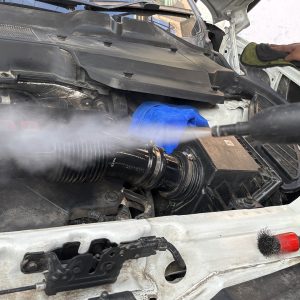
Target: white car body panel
{"x": 219, "y": 249}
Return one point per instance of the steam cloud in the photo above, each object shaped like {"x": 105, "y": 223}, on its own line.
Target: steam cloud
{"x": 29, "y": 138}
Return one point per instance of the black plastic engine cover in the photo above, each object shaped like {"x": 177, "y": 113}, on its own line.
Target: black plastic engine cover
{"x": 88, "y": 47}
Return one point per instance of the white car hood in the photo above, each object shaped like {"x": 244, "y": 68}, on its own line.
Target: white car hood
{"x": 227, "y": 9}
{"x": 220, "y": 8}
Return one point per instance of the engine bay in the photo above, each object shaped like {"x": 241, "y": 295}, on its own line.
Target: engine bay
{"x": 88, "y": 65}
{"x": 73, "y": 75}
{"x": 80, "y": 177}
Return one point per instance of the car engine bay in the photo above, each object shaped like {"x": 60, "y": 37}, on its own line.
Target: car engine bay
{"x": 148, "y": 223}
{"x": 73, "y": 69}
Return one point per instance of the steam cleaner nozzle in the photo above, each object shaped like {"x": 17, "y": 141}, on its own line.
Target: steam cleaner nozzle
{"x": 277, "y": 124}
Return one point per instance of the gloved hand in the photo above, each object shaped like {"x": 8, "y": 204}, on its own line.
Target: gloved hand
{"x": 293, "y": 51}
{"x": 158, "y": 121}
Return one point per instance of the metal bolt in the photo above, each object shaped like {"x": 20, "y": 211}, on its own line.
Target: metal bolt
{"x": 86, "y": 102}
{"x": 190, "y": 156}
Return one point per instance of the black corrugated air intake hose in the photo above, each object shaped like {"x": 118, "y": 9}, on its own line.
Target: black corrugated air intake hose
{"x": 70, "y": 154}
{"x": 175, "y": 176}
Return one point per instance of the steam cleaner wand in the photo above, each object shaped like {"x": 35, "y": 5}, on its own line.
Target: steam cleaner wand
{"x": 278, "y": 124}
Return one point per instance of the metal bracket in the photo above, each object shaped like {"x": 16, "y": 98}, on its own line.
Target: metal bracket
{"x": 65, "y": 269}
{"x": 229, "y": 46}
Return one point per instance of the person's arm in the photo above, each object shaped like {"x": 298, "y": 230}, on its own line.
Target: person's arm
{"x": 293, "y": 51}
